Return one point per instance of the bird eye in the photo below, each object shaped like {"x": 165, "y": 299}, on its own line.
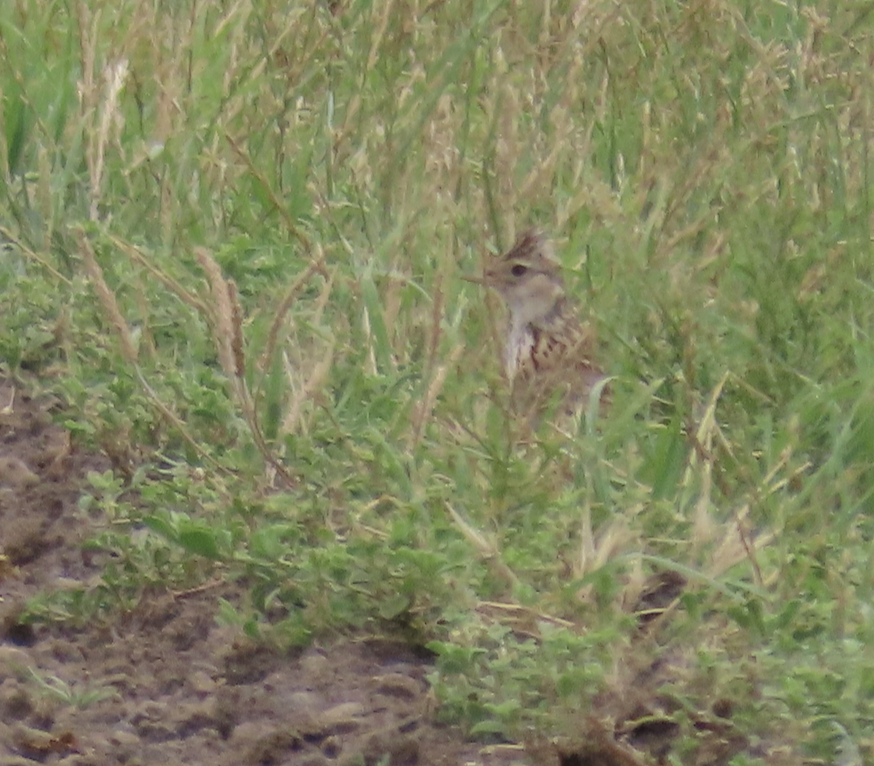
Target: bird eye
{"x": 518, "y": 270}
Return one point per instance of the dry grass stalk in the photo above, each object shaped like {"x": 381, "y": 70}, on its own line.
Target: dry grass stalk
{"x": 226, "y": 319}
{"x": 11, "y": 239}
{"x": 316, "y": 266}
{"x": 438, "y": 376}
{"x": 128, "y": 349}
{"x": 88, "y": 35}
{"x": 487, "y": 549}
{"x": 237, "y": 347}
{"x": 171, "y": 284}
{"x": 107, "y": 299}
{"x": 425, "y": 409}
{"x": 220, "y": 312}
{"x": 704, "y": 527}
{"x": 177, "y": 423}
{"x": 290, "y": 222}
{"x": 291, "y": 421}
{"x": 598, "y": 549}
{"x": 372, "y": 368}
{"x": 731, "y": 550}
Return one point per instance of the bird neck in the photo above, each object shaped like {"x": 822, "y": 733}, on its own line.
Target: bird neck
{"x": 537, "y": 303}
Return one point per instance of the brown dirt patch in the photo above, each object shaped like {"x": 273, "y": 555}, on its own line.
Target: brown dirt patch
{"x": 166, "y": 684}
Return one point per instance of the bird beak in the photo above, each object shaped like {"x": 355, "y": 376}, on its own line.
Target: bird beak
{"x": 475, "y": 279}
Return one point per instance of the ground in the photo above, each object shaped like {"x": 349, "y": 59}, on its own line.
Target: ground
{"x": 167, "y": 684}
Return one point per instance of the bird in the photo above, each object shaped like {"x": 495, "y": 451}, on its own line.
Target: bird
{"x": 549, "y": 350}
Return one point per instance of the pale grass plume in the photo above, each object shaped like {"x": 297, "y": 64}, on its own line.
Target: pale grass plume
{"x": 225, "y": 317}
{"x": 110, "y": 123}
{"x": 221, "y": 312}
{"x": 598, "y": 548}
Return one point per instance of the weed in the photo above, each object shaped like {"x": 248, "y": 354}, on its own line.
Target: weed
{"x": 68, "y": 694}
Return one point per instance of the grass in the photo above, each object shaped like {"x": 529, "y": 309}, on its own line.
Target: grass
{"x": 234, "y": 236}
{"x": 62, "y": 693}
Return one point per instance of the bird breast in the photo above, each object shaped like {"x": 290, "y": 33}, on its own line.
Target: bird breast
{"x": 519, "y": 347}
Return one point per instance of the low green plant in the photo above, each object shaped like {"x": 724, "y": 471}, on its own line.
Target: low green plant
{"x": 64, "y": 693}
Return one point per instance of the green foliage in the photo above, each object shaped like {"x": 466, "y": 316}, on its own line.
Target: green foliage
{"x": 63, "y": 693}
{"x": 497, "y": 681}
{"x": 705, "y": 168}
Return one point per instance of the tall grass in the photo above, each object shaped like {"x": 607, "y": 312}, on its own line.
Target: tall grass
{"x": 235, "y": 233}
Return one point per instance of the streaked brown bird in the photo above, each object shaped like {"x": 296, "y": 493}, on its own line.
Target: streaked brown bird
{"x": 549, "y": 353}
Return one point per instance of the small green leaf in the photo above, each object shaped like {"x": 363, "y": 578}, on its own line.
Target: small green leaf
{"x": 162, "y": 526}
{"x": 200, "y": 541}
